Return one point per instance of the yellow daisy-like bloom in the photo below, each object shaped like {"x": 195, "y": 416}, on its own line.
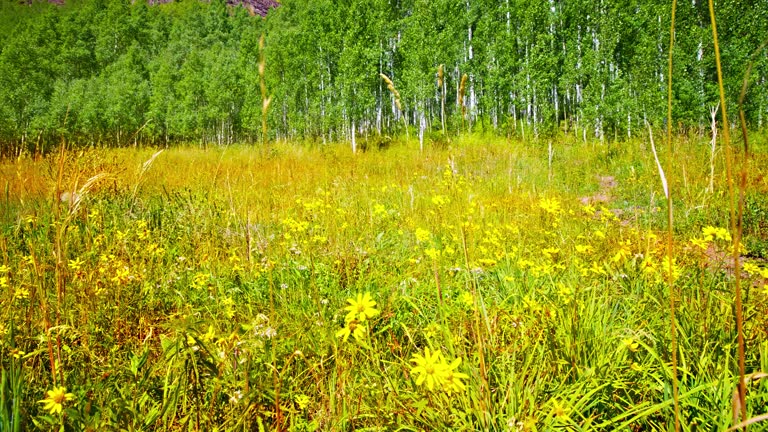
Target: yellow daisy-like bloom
{"x": 361, "y": 308}
{"x": 429, "y": 368}
{"x": 550, "y": 205}
{"x": 354, "y": 328}
{"x": 751, "y": 268}
{"x": 630, "y": 344}
{"x": 422, "y": 235}
{"x": 467, "y": 299}
{"x": 453, "y": 383}
{"x": 700, "y": 243}
{"x": 54, "y": 400}
{"x": 560, "y": 410}
{"x": 712, "y": 233}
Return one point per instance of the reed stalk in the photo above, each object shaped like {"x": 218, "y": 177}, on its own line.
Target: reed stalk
{"x": 735, "y": 223}
{"x": 398, "y": 103}
{"x": 462, "y": 91}
{"x": 670, "y": 224}
{"x": 266, "y": 100}
{"x": 441, "y": 87}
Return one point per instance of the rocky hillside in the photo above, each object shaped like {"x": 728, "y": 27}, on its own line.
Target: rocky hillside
{"x": 255, "y": 7}
{"x": 260, "y": 7}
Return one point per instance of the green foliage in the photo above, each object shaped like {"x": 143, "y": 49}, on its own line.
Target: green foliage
{"x": 122, "y": 72}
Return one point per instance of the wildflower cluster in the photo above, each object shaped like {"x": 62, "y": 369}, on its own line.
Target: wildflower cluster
{"x": 435, "y": 372}
{"x": 360, "y": 309}
{"x": 550, "y": 206}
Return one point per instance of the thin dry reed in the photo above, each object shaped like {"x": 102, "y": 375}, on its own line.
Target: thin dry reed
{"x": 739, "y": 403}
{"x": 441, "y": 88}
{"x": 398, "y": 104}
{"x": 266, "y": 100}
{"x": 670, "y": 224}
{"x": 462, "y": 92}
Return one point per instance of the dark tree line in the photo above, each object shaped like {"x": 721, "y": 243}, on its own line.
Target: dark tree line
{"x": 112, "y": 72}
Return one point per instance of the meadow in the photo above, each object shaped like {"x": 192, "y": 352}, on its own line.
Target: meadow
{"x": 480, "y": 284}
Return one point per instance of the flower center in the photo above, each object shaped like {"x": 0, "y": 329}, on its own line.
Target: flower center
{"x": 58, "y": 397}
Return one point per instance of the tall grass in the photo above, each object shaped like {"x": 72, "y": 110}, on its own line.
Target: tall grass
{"x": 211, "y": 296}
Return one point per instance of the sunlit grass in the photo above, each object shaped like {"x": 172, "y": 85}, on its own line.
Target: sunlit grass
{"x": 460, "y": 288}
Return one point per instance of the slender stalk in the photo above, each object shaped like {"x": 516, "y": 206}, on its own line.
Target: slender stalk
{"x": 398, "y": 103}
{"x": 441, "y": 88}
{"x": 735, "y": 225}
{"x": 266, "y": 100}
{"x": 670, "y": 222}
{"x": 437, "y": 283}
{"x": 462, "y": 90}
{"x": 743, "y": 122}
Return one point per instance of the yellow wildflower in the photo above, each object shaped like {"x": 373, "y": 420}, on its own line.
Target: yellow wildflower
{"x": 354, "y": 328}
{"x": 361, "y": 308}
{"x": 550, "y": 205}
{"x": 379, "y": 210}
{"x": 667, "y": 265}
{"x": 560, "y": 410}
{"x": 302, "y": 401}
{"x": 549, "y": 252}
{"x": 76, "y": 264}
{"x": 54, "y": 400}
{"x": 751, "y": 268}
{"x": 712, "y": 233}
{"x": 589, "y": 210}
{"x": 452, "y": 379}
{"x": 422, "y": 235}
{"x": 700, "y": 243}
{"x": 432, "y": 253}
{"x": 622, "y": 254}
{"x": 431, "y": 330}
{"x": 648, "y": 266}
{"x": 564, "y": 292}
{"x": 467, "y": 299}
{"x": 597, "y": 269}
{"x": 630, "y": 344}
{"x": 440, "y": 200}
{"x": 429, "y": 368}
{"x": 21, "y": 293}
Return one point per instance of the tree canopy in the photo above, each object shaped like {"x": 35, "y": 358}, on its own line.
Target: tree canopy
{"x": 117, "y": 72}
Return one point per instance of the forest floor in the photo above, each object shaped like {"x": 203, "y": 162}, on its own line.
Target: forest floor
{"x": 485, "y": 285}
